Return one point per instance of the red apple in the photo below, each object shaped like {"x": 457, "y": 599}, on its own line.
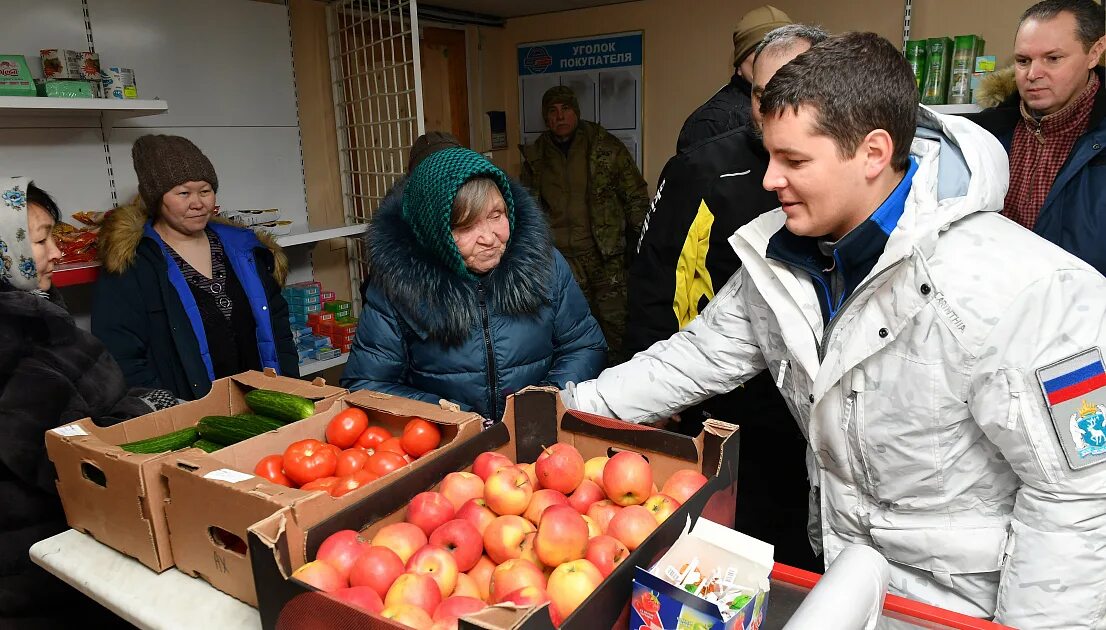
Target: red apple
{"x": 586, "y": 493}
{"x": 562, "y": 536}
{"x": 526, "y": 596}
{"x": 593, "y": 469}
{"x": 593, "y": 527}
{"x": 632, "y": 525}
{"x": 503, "y": 538}
{"x": 477, "y": 512}
{"x": 532, "y": 474}
{"x": 320, "y": 575}
{"x": 361, "y": 597}
{"x": 560, "y": 467}
{"x": 466, "y": 587}
{"x": 682, "y": 484}
{"x": 419, "y": 590}
{"x": 459, "y": 487}
{"x": 603, "y": 511}
{"x": 453, "y": 608}
{"x": 408, "y": 615}
{"x": 661, "y": 506}
{"x": 377, "y": 568}
{"x": 403, "y": 538}
{"x": 528, "y": 551}
{"x": 571, "y": 583}
{"x": 542, "y": 499}
{"x": 430, "y": 510}
{"x": 508, "y": 491}
{"x": 628, "y": 479}
{"x": 513, "y": 575}
{"x": 488, "y": 462}
{"x": 437, "y": 563}
{"x": 341, "y": 550}
{"x": 606, "y": 553}
{"x": 460, "y": 538}
{"x": 482, "y": 575}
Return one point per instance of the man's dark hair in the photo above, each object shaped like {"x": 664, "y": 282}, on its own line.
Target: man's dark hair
{"x": 1090, "y": 17}
{"x": 856, "y": 83}
{"x": 40, "y": 197}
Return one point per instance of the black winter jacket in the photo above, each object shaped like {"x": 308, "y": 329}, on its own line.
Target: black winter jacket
{"x": 730, "y": 108}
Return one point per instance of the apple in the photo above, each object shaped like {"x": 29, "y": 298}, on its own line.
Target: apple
{"x": 403, "y": 538}
{"x": 541, "y": 500}
{"x": 361, "y": 597}
{"x": 341, "y": 550}
{"x": 459, "y": 487}
{"x": 532, "y": 474}
{"x": 603, "y": 511}
{"x": 408, "y": 615}
{"x": 593, "y": 527}
{"x": 508, "y": 491}
{"x": 606, "y": 553}
{"x": 377, "y": 568}
{"x": 430, "y": 510}
{"x": 439, "y": 564}
{"x": 460, "y": 538}
{"x": 586, "y": 493}
{"x": 555, "y": 617}
{"x": 513, "y": 575}
{"x": 593, "y": 469}
{"x": 503, "y": 538}
{"x": 488, "y": 462}
{"x": 482, "y": 575}
{"x": 416, "y": 589}
{"x": 628, "y": 479}
{"x": 571, "y": 583}
{"x": 477, "y": 512}
{"x": 320, "y": 575}
{"x": 661, "y": 506}
{"x": 453, "y": 608}
{"x": 632, "y": 525}
{"x": 526, "y": 596}
{"x": 528, "y": 551}
{"x": 560, "y": 467}
{"x": 562, "y": 536}
{"x": 466, "y": 587}
{"x": 683, "y": 483}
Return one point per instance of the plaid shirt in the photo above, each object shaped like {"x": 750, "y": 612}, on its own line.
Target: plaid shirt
{"x": 1039, "y": 150}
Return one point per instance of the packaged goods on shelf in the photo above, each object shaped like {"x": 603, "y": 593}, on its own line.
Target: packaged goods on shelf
{"x": 938, "y": 62}
{"x": 965, "y": 51}
{"x": 985, "y": 63}
{"x": 327, "y": 296}
{"x": 304, "y": 309}
{"x": 305, "y": 288}
{"x": 916, "y": 56}
{"x": 59, "y": 63}
{"x": 119, "y": 83}
{"x": 340, "y": 308}
{"x": 325, "y": 353}
{"x": 15, "y": 76}
{"x": 66, "y": 88}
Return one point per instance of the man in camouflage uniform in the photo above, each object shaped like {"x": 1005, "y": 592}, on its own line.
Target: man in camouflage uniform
{"x": 596, "y": 201}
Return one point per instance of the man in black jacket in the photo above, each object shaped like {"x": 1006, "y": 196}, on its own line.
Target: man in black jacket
{"x": 705, "y": 194}
{"x": 729, "y": 108}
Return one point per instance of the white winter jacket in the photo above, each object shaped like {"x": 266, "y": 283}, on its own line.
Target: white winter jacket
{"x": 922, "y": 400}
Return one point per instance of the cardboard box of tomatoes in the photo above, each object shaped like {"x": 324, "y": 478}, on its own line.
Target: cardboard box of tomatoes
{"x": 318, "y": 468}
{"x": 118, "y": 497}
{"x": 611, "y": 495}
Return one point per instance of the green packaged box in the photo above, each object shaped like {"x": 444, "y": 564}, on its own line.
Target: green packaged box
{"x": 15, "y": 77}
{"x": 915, "y": 53}
{"x": 64, "y": 88}
{"x": 938, "y": 62}
{"x": 965, "y": 50}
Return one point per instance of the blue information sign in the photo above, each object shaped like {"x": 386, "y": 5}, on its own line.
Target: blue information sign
{"x": 586, "y": 54}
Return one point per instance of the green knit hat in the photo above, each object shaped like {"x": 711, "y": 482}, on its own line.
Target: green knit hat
{"x": 428, "y": 200}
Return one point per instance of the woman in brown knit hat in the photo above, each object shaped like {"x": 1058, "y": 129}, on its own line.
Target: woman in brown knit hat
{"x": 187, "y": 298}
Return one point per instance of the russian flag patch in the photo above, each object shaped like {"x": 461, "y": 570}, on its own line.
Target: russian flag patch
{"x": 1075, "y": 391}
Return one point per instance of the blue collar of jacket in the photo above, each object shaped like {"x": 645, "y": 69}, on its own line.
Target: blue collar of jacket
{"x": 854, "y": 255}
{"x": 238, "y": 246}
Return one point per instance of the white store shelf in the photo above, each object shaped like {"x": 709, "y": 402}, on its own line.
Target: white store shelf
{"x": 311, "y": 367}
{"x": 108, "y": 110}
{"x": 315, "y": 236}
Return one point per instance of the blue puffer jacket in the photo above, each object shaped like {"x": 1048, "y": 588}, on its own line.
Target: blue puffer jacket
{"x": 427, "y": 333}
{"x": 1074, "y": 213}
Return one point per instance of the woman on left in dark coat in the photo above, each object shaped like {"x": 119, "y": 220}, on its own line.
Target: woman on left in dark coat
{"x": 51, "y": 373}
{"x": 186, "y": 298}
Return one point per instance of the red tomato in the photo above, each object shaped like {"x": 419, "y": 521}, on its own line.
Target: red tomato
{"x": 308, "y": 460}
{"x": 322, "y": 483}
{"x": 272, "y": 468}
{"x": 391, "y": 445}
{"x": 385, "y": 462}
{"x": 337, "y": 451}
{"x": 420, "y": 437}
{"x": 350, "y": 461}
{"x": 349, "y": 483}
{"x": 372, "y": 437}
{"x": 344, "y": 428}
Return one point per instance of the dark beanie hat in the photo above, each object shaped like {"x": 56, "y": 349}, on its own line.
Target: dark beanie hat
{"x": 429, "y": 194}
{"x": 428, "y": 143}
{"x": 560, "y": 95}
{"x": 162, "y": 162}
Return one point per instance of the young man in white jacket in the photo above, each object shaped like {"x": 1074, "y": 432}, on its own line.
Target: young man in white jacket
{"x": 944, "y": 364}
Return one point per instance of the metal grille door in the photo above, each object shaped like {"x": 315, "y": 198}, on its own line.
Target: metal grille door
{"x": 374, "y": 59}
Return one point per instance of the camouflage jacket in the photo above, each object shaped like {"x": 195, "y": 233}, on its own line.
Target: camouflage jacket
{"x": 617, "y": 194}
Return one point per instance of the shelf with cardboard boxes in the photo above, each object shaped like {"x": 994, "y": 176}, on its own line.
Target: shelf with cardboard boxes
{"x": 322, "y": 326}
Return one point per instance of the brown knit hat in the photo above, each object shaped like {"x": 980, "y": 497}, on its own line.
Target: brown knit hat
{"x": 560, "y": 95}
{"x": 162, "y": 162}
{"x": 752, "y": 28}
{"x": 428, "y": 143}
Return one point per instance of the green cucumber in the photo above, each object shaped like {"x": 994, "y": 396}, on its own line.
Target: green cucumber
{"x": 283, "y": 407}
{"x": 227, "y": 430}
{"x": 163, "y": 443}
{"x": 206, "y": 446}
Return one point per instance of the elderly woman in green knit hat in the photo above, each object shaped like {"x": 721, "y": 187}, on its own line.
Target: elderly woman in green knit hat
{"x": 468, "y": 300}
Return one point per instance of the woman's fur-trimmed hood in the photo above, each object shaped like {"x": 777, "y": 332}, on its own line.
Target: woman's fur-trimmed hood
{"x": 442, "y": 305}
{"x": 995, "y": 88}
{"x": 122, "y": 232}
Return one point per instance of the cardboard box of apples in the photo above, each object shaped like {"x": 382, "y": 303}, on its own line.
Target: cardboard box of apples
{"x": 536, "y": 522}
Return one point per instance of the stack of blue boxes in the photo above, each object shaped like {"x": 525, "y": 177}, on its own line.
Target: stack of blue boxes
{"x": 304, "y": 298}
